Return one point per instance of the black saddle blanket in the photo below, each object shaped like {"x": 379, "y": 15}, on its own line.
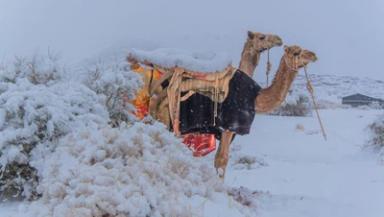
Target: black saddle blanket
{"x": 235, "y": 113}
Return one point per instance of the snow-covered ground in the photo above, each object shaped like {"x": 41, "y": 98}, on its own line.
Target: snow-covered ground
{"x": 282, "y": 168}
{"x": 297, "y": 173}
{"x": 333, "y": 88}
{"x": 285, "y": 168}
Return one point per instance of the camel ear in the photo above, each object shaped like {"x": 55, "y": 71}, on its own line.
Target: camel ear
{"x": 251, "y": 35}
{"x": 286, "y": 48}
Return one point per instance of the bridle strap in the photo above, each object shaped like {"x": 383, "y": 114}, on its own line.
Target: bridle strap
{"x": 295, "y": 68}
{"x": 269, "y": 66}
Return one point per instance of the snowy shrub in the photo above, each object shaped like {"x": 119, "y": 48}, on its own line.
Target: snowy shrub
{"x": 118, "y": 84}
{"x": 377, "y": 134}
{"x": 56, "y": 144}
{"x": 36, "y": 108}
{"x": 248, "y": 162}
{"x": 141, "y": 170}
{"x": 299, "y": 107}
{"x": 244, "y": 196}
{"x": 38, "y": 69}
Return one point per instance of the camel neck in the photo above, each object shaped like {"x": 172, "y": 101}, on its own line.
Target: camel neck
{"x": 272, "y": 96}
{"x": 249, "y": 59}
{"x": 283, "y": 80}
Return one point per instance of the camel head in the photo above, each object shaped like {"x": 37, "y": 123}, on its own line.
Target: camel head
{"x": 295, "y": 57}
{"x": 261, "y": 42}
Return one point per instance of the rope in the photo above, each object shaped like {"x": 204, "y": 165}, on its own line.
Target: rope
{"x": 269, "y": 66}
{"x": 215, "y": 99}
{"x": 150, "y": 80}
{"x": 311, "y": 91}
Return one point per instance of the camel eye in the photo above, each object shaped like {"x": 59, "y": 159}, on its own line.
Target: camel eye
{"x": 296, "y": 54}
{"x": 262, "y": 37}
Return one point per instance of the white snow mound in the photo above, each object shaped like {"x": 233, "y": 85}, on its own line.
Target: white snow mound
{"x": 196, "y": 61}
{"x": 140, "y": 170}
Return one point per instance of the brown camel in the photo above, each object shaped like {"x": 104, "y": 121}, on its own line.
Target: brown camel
{"x": 271, "y": 97}
{"x": 268, "y": 98}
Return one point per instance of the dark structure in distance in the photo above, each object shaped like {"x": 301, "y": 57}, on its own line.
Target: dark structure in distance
{"x": 361, "y": 100}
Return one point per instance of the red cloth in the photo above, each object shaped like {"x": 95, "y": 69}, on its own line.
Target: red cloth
{"x": 201, "y": 144}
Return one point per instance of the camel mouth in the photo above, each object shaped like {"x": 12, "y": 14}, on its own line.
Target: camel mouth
{"x": 274, "y": 41}
{"x": 309, "y": 55}
{"x": 263, "y": 49}
{"x": 279, "y": 41}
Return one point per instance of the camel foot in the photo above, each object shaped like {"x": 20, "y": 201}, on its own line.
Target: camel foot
{"x": 220, "y": 172}
{"x": 220, "y": 165}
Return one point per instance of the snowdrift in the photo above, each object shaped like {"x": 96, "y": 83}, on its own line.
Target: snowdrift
{"x": 59, "y": 148}
{"x": 195, "y": 61}
{"x": 138, "y": 170}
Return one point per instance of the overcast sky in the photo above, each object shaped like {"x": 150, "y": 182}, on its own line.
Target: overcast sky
{"x": 348, "y": 36}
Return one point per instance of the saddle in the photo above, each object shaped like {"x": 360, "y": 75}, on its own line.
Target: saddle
{"x": 213, "y": 85}
{"x": 178, "y": 84}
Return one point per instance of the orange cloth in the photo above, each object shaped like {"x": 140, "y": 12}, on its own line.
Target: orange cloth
{"x": 200, "y": 144}
{"x": 141, "y": 102}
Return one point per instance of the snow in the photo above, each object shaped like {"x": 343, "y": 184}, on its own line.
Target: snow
{"x": 296, "y": 173}
{"x": 2, "y": 118}
{"x": 139, "y": 169}
{"x": 307, "y": 176}
{"x": 124, "y": 172}
{"x": 84, "y": 166}
{"x": 195, "y": 61}
{"x": 331, "y": 88}
{"x": 57, "y": 107}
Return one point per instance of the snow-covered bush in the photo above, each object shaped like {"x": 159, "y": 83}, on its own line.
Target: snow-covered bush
{"x": 56, "y": 143}
{"x": 298, "y": 107}
{"x": 244, "y": 196}
{"x": 141, "y": 170}
{"x": 37, "y": 108}
{"x": 377, "y": 134}
{"x": 39, "y": 104}
{"x": 38, "y": 69}
{"x": 118, "y": 85}
{"x": 248, "y": 162}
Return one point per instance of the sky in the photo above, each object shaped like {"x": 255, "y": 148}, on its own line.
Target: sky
{"x": 345, "y": 35}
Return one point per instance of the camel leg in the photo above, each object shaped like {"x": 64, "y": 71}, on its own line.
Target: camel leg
{"x": 221, "y": 158}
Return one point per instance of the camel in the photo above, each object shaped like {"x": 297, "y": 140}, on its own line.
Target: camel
{"x": 269, "y": 98}
{"x": 255, "y": 44}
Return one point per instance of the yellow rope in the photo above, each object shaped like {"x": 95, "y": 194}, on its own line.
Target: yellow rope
{"x": 216, "y": 99}
{"x": 311, "y": 91}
